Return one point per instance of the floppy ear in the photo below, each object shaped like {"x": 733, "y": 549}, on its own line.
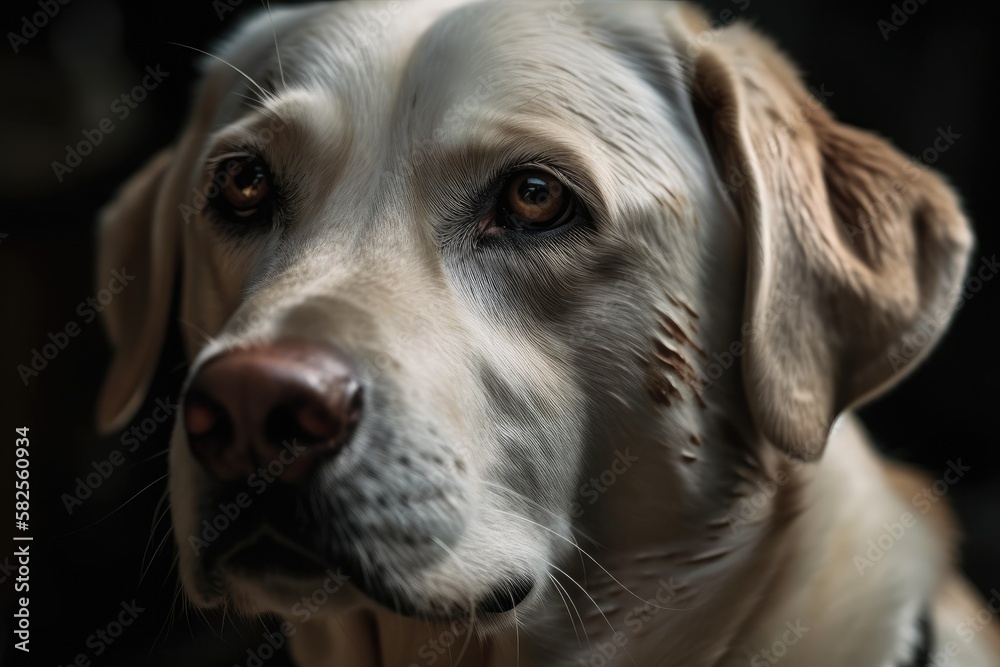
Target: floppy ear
{"x": 855, "y": 253}
{"x": 135, "y": 240}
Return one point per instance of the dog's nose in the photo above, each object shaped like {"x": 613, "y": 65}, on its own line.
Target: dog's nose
{"x": 279, "y": 408}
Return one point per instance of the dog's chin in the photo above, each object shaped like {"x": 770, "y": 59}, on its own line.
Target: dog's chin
{"x": 301, "y": 598}
{"x": 288, "y": 597}
{"x": 266, "y": 573}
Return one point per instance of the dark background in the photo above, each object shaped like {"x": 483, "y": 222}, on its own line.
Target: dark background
{"x": 936, "y": 71}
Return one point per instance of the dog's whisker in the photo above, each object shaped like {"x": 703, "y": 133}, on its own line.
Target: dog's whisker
{"x": 471, "y": 601}
{"x": 255, "y": 106}
{"x": 264, "y": 94}
{"x": 170, "y": 570}
{"x": 204, "y": 619}
{"x": 162, "y": 452}
{"x": 225, "y": 612}
{"x": 209, "y": 339}
{"x": 167, "y": 621}
{"x": 180, "y": 365}
{"x": 152, "y": 558}
{"x": 187, "y": 616}
{"x": 592, "y": 559}
{"x": 139, "y": 493}
{"x": 567, "y": 600}
{"x": 595, "y": 603}
{"x": 535, "y": 503}
{"x": 517, "y": 631}
{"x": 155, "y": 522}
{"x": 350, "y": 636}
{"x": 277, "y": 51}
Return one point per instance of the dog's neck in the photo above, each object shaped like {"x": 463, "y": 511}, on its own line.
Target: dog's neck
{"x": 696, "y": 543}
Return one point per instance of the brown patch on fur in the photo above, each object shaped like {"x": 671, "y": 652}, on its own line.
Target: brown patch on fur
{"x": 671, "y": 329}
{"x": 695, "y": 440}
{"x": 709, "y": 556}
{"x": 676, "y": 362}
{"x": 701, "y": 401}
{"x": 667, "y": 555}
{"x": 660, "y": 389}
{"x": 681, "y": 304}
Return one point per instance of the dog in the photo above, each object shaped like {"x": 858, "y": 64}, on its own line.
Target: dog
{"x": 529, "y": 334}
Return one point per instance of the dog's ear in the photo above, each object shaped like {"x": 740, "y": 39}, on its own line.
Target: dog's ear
{"x": 139, "y": 242}
{"x": 855, "y": 254}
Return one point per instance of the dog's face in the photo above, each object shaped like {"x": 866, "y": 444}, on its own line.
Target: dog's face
{"x": 443, "y": 261}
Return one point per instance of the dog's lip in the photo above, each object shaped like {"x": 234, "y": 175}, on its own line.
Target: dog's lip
{"x": 266, "y": 551}
{"x": 504, "y": 598}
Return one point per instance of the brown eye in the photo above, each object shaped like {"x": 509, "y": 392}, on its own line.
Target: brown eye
{"x": 535, "y": 200}
{"x": 244, "y": 189}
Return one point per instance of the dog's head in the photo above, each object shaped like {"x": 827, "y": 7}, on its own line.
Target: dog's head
{"x": 438, "y": 263}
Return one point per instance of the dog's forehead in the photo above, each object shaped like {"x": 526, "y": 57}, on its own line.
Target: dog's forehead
{"x": 449, "y": 58}
{"x": 528, "y": 73}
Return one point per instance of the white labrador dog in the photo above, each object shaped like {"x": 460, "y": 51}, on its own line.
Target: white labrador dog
{"x": 519, "y": 335}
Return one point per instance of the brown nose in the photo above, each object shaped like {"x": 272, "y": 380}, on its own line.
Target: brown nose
{"x": 278, "y": 407}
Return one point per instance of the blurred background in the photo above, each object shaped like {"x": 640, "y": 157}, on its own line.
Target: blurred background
{"x": 908, "y": 78}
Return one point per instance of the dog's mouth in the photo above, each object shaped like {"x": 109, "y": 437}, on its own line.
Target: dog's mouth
{"x": 268, "y": 556}
{"x": 276, "y": 546}
{"x": 266, "y": 553}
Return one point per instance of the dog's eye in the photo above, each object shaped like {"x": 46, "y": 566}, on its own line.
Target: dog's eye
{"x": 535, "y": 200}
{"x": 244, "y": 188}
